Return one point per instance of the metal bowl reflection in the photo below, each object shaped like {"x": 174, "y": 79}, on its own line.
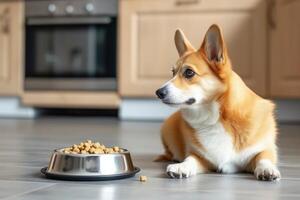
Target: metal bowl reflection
{"x": 90, "y": 165}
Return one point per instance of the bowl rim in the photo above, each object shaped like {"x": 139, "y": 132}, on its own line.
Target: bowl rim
{"x": 59, "y": 151}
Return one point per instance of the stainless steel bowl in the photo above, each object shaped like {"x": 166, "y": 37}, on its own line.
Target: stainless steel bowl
{"x": 90, "y": 166}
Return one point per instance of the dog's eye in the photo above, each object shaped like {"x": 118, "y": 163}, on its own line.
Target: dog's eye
{"x": 188, "y": 73}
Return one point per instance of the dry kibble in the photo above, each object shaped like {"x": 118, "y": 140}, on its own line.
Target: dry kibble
{"x": 105, "y": 150}
{"x": 99, "y": 151}
{"x": 143, "y": 178}
{"x": 92, "y": 150}
{"x": 68, "y": 149}
{"x": 87, "y": 144}
{"x": 84, "y": 152}
{"x": 97, "y": 145}
{"x": 116, "y": 149}
{"x": 76, "y": 150}
{"x": 89, "y": 147}
{"x": 81, "y": 147}
{"x": 89, "y": 141}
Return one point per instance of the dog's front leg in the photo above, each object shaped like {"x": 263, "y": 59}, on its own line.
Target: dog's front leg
{"x": 191, "y": 165}
{"x": 263, "y": 165}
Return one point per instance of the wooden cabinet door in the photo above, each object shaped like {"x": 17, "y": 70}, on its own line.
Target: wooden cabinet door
{"x": 146, "y": 44}
{"x": 285, "y": 49}
{"x": 11, "y": 15}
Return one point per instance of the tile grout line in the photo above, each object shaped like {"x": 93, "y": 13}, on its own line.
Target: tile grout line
{"x": 28, "y": 192}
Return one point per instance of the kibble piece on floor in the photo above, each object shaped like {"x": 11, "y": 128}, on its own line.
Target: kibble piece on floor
{"x": 143, "y": 178}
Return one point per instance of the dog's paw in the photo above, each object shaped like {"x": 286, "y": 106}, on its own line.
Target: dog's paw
{"x": 180, "y": 170}
{"x": 266, "y": 171}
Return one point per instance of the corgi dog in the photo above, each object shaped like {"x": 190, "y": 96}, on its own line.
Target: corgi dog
{"x": 221, "y": 124}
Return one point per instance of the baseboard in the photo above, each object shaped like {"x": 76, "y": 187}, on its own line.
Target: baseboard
{"x": 287, "y": 110}
{"x": 10, "y": 107}
{"x": 144, "y": 109}
{"x": 151, "y": 109}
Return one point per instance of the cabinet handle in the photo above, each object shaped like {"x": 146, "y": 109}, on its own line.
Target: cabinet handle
{"x": 5, "y": 21}
{"x": 186, "y": 2}
{"x": 272, "y": 14}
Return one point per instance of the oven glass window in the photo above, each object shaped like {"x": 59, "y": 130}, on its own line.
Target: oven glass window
{"x": 71, "y": 50}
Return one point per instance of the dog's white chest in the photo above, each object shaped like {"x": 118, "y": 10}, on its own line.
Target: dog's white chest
{"x": 220, "y": 151}
{"x": 218, "y": 147}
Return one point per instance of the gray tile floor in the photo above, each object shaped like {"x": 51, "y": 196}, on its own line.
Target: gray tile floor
{"x": 26, "y": 145}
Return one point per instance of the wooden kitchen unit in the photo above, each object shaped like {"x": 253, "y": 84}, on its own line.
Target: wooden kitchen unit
{"x": 69, "y": 99}
{"x": 70, "y": 54}
{"x": 262, "y": 37}
{"x": 147, "y": 51}
{"x": 285, "y": 50}
{"x": 11, "y": 47}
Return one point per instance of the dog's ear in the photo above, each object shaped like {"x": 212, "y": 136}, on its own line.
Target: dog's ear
{"x": 214, "y": 51}
{"x": 182, "y": 44}
{"x": 213, "y": 46}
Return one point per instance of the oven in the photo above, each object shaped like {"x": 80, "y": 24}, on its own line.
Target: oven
{"x": 70, "y": 45}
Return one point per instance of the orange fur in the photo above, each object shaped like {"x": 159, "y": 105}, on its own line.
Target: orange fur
{"x": 246, "y": 116}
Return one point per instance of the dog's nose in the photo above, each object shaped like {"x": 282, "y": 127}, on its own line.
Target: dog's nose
{"x": 161, "y": 93}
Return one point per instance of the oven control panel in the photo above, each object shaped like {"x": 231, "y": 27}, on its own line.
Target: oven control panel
{"x": 35, "y": 8}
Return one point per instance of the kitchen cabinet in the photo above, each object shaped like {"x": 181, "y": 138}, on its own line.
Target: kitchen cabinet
{"x": 146, "y": 44}
{"x": 284, "y": 49}
{"x": 11, "y": 29}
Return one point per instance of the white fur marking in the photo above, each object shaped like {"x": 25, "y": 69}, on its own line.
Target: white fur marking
{"x": 265, "y": 170}
{"x": 218, "y": 144}
{"x": 190, "y": 166}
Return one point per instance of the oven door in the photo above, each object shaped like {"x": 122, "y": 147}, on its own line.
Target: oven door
{"x": 71, "y": 53}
